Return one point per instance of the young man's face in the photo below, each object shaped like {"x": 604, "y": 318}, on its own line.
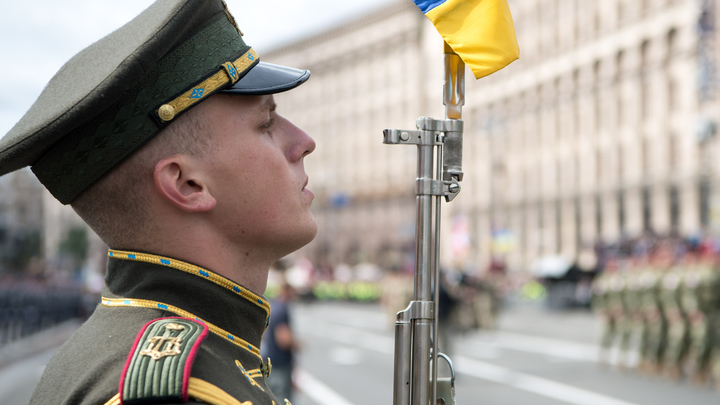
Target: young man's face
{"x": 257, "y": 175}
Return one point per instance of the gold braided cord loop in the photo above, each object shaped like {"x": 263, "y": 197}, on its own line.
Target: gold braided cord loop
{"x": 194, "y": 270}
{"x": 229, "y": 73}
{"x": 138, "y": 303}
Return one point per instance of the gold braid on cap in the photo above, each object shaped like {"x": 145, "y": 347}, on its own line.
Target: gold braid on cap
{"x": 230, "y": 72}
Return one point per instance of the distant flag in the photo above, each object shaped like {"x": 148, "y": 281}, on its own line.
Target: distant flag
{"x": 480, "y": 31}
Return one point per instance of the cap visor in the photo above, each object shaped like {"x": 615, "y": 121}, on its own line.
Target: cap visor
{"x": 268, "y": 78}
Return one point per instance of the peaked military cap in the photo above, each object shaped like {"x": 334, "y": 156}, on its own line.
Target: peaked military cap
{"x": 117, "y": 94}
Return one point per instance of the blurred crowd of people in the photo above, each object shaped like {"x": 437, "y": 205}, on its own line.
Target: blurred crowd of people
{"x": 659, "y": 299}
{"x": 28, "y": 306}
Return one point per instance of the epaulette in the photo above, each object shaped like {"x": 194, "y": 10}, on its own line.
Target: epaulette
{"x": 158, "y": 366}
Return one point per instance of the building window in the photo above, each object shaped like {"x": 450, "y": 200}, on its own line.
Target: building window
{"x": 646, "y": 210}
{"x": 671, "y": 94}
{"x": 596, "y": 97}
{"x": 674, "y": 195}
{"x": 621, "y": 211}
{"x": 670, "y": 45}
{"x": 619, "y": 101}
{"x": 558, "y": 226}
{"x": 578, "y": 228}
{"x": 645, "y": 156}
{"x": 541, "y": 227}
{"x": 598, "y": 215}
{"x": 644, "y": 87}
{"x": 672, "y": 152}
{"x": 704, "y": 193}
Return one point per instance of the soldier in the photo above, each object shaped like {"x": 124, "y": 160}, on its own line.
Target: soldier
{"x": 709, "y": 299}
{"x": 655, "y": 325}
{"x": 695, "y": 305}
{"x": 607, "y": 301}
{"x": 677, "y": 327}
{"x": 634, "y": 332}
{"x": 165, "y": 138}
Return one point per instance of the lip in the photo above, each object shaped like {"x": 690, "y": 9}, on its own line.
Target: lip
{"x": 306, "y": 190}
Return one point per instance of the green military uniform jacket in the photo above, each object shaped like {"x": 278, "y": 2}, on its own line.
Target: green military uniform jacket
{"x": 169, "y": 332}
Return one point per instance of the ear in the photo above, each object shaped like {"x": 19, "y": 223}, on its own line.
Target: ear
{"x": 177, "y": 181}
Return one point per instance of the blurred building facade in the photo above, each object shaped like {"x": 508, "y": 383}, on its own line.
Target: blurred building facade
{"x": 36, "y": 231}
{"x": 604, "y": 129}
{"x": 21, "y": 220}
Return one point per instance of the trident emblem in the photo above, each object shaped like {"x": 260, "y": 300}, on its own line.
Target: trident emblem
{"x": 161, "y": 346}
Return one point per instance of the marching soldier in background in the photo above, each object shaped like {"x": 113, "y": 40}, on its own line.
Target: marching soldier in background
{"x": 693, "y": 301}
{"x": 676, "y": 321}
{"x": 607, "y": 301}
{"x": 634, "y": 331}
{"x": 651, "y": 356}
{"x": 599, "y": 305}
{"x": 709, "y": 299}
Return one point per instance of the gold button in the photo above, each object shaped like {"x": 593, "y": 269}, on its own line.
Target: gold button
{"x": 166, "y": 112}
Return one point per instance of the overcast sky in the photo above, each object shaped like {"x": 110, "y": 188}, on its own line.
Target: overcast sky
{"x": 38, "y": 36}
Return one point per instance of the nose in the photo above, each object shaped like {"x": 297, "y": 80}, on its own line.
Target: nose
{"x": 302, "y": 143}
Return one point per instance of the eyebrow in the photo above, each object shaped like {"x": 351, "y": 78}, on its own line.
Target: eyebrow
{"x": 270, "y": 104}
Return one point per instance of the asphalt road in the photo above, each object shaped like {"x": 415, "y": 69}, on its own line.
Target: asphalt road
{"x": 535, "y": 357}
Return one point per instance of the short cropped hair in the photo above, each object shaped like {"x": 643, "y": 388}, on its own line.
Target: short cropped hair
{"x": 116, "y": 207}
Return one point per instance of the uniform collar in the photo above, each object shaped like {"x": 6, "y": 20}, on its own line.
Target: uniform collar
{"x": 208, "y": 295}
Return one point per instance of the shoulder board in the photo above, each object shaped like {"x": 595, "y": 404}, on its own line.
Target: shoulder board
{"x": 158, "y": 366}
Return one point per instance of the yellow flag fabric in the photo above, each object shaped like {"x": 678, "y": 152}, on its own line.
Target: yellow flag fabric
{"x": 480, "y": 31}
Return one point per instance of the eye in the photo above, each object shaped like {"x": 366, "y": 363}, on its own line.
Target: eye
{"x": 268, "y": 124}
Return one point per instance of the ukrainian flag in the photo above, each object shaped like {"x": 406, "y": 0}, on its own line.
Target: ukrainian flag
{"x": 480, "y": 31}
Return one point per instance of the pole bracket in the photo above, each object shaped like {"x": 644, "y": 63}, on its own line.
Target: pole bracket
{"x": 417, "y": 310}
{"x": 442, "y": 188}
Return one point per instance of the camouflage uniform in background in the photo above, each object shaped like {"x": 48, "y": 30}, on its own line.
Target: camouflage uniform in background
{"x": 599, "y": 303}
{"x": 695, "y": 280}
{"x": 633, "y": 333}
{"x": 709, "y": 293}
{"x": 655, "y": 325}
{"x": 677, "y": 326}
{"x": 615, "y": 308}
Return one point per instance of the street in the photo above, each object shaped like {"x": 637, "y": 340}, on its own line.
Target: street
{"x": 536, "y": 356}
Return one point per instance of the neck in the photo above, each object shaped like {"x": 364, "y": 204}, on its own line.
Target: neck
{"x": 246, "y": 267}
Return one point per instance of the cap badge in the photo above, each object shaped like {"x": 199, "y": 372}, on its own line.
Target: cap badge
{"x": 162, "y": 346}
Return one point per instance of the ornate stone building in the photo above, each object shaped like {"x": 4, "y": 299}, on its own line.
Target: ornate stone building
{"x": 605, "y": 128}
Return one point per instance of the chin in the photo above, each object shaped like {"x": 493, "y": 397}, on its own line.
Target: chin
{"x": 300, "y": 238}
{"x": 310, "y": 234}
